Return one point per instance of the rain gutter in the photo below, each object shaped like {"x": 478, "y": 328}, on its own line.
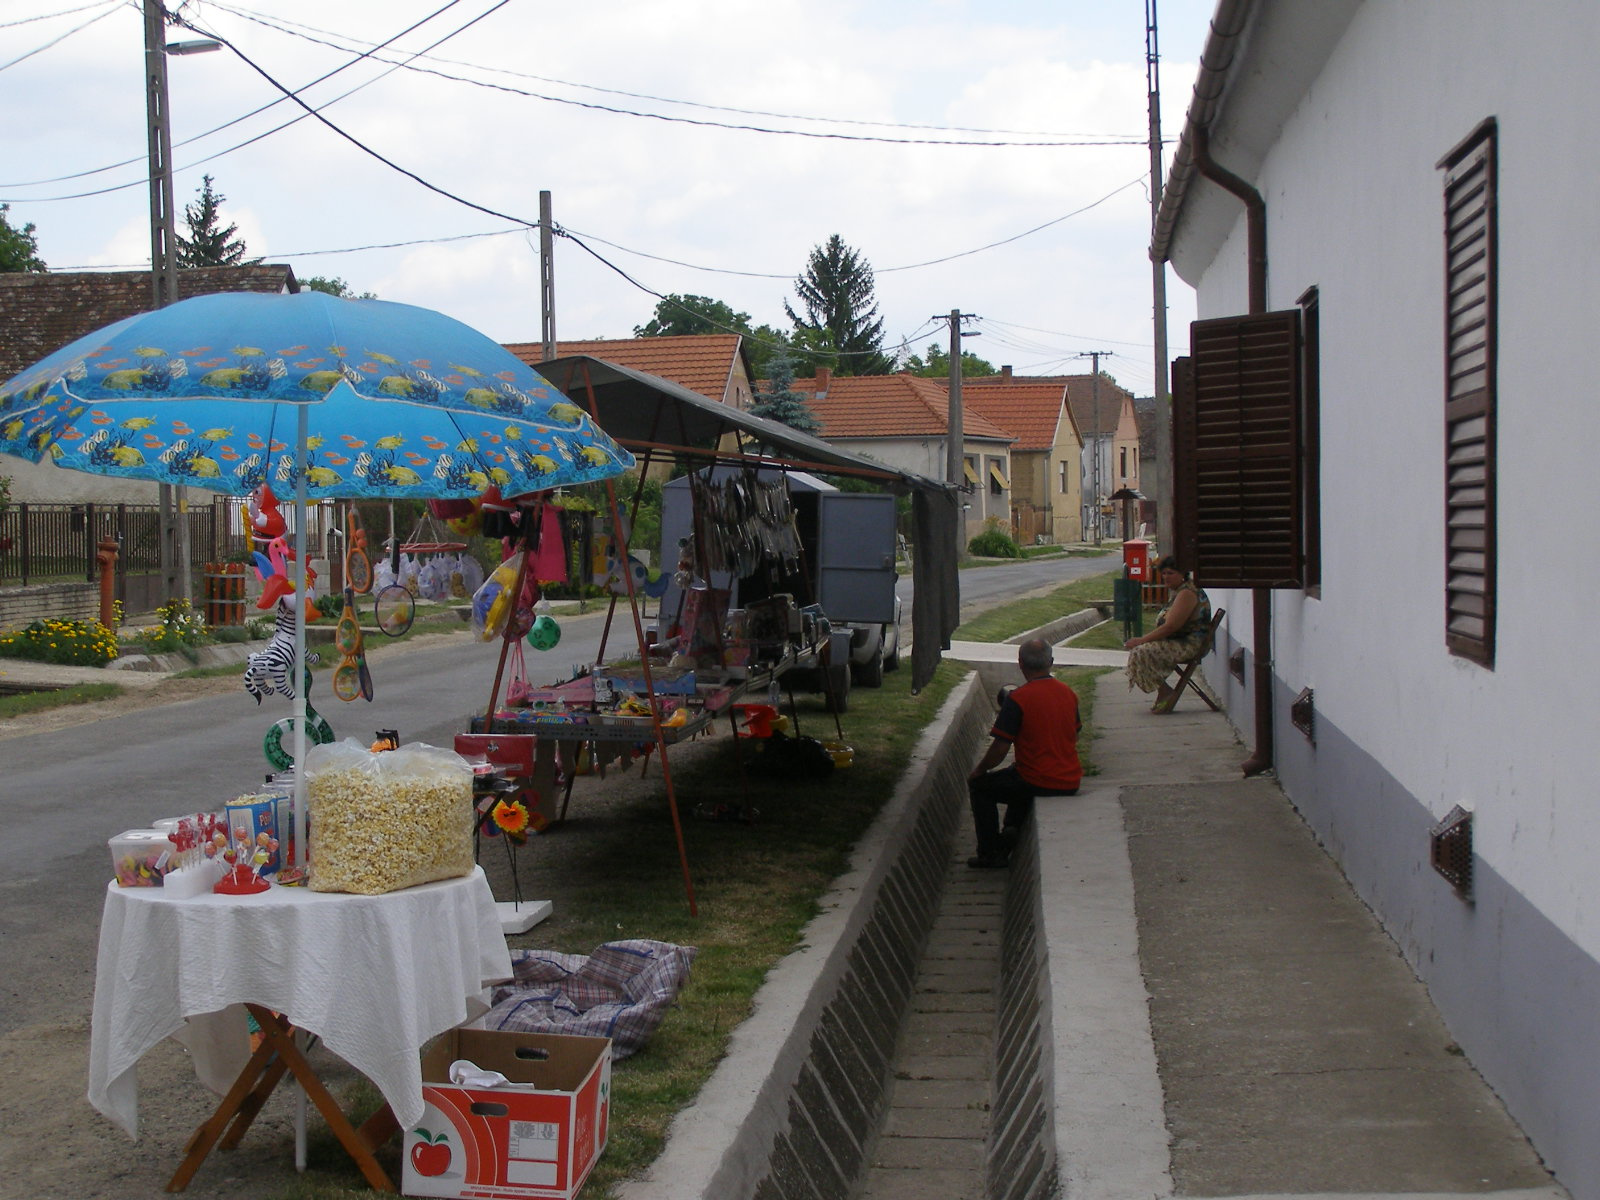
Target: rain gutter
{"x": 1194, "y": 158}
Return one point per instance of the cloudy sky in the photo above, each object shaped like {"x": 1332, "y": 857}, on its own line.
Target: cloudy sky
{"x": 698, "y": 146}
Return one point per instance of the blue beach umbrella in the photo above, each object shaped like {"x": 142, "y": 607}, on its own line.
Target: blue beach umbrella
{"x": 397, "y": 401}
{"x": 316, "y": 395}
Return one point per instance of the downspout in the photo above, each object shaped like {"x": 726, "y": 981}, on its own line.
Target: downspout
{"x": 1256, "y": 268}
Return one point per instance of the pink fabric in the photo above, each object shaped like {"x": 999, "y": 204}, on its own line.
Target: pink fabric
{"x": 550, "y": 560}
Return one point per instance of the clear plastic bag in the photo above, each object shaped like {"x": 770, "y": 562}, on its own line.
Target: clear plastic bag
{"x": 494, "y": 600}
{"x": 390, "y": 820}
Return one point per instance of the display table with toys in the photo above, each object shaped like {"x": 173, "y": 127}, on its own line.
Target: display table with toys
{"x": 373, "y": 976}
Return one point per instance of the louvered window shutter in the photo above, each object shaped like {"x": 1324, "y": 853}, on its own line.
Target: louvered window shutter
{"x": 1469, "y": 416}
{"x": 1236, "y": 451}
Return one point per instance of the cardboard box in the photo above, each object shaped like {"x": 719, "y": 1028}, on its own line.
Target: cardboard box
{"x": 538, "y": 1136}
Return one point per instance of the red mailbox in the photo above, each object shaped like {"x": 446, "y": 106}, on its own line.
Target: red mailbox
{"x": 1136, "y": 559}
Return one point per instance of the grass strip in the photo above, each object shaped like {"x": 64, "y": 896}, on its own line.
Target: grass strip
{"x": 33, "y": 702}
{"x": 998, "y": 624}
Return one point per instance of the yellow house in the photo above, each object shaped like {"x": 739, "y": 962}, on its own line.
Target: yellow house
{"x": 1046, "y": 458}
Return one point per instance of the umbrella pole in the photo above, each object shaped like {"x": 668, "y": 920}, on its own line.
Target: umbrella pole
{"x": 302, "y": 432}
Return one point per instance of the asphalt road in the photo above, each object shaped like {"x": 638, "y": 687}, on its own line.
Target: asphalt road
{"x": 63, "y": 793}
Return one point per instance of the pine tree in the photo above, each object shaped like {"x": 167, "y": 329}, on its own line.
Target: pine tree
{"x": 841, "y": 309}
{"x": 19, "y": 248}
{"x": 780, "y": 402}
{"x": 207, "y": 245}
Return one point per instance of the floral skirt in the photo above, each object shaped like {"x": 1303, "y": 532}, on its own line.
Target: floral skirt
{"x": 1150, "y": 664}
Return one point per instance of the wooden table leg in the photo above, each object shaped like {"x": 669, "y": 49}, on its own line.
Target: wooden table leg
{"x": 206, "y": 1136}
{"x": 275, "y": 1057}
{"x": 280, "y": 1035}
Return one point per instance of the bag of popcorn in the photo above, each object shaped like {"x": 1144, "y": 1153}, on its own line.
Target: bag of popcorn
{"x": 389, "y": 820}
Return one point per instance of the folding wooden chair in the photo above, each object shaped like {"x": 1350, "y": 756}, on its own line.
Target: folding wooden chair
{"x": 1186, "y": 674}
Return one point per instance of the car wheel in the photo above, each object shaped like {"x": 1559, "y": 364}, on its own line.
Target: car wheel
{"x": 891, "y": 660}
{"x": 869, "y": 673}
{"x": 836, "y": 687}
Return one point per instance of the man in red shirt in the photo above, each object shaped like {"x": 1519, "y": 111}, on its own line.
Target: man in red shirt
{"x": 1040, "y": 722}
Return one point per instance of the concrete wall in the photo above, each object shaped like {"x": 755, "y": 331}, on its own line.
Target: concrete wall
{"x": 1404, "y": 730}
{"x": 69, "y": 601}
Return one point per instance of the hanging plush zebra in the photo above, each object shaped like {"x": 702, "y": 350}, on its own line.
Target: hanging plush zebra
{"x": 272, "y": 669}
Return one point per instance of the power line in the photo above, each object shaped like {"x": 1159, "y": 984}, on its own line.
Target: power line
{"x": 66, "y": 12}
{"x": 294, "y": 95}
{"x": 293, "y": 28}
{"x": 56, "y": 41}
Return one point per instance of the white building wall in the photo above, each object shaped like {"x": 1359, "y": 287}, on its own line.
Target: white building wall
{"x": 1405, "y": 730}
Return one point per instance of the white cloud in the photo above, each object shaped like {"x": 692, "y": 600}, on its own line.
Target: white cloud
{"x": 741, "y": 201}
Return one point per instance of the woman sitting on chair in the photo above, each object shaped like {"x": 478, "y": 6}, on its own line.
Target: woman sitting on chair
{"x": 1177, "y": 637}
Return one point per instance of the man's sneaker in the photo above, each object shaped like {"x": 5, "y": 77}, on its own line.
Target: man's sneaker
{"x": 987, "y": 862}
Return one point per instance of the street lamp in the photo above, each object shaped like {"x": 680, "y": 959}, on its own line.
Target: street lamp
{"x": 163, "y": 264}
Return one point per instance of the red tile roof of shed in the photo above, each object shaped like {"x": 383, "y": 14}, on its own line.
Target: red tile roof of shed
{"x": 702, "y": 363}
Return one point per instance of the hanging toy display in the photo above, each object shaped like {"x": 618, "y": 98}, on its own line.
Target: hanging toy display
{"x": 357, "y": 563}
{"x": 544, "y": 634}
{"x": 274, "y": 570}
{"x": 269, "y": 671}
{"x": 318, "y": 733}
{"x": 266, "y": 517}
{"x": 351, "y": 677}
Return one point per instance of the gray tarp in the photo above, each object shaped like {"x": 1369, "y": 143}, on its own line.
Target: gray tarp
{"x": 643, "y": 411}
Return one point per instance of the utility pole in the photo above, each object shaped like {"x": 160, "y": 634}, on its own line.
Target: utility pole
{"x": 164, "y": 274}
{"x": 1094, "y": 426}
{"x": 1158, "y": 288}
{"x": 547, "y": 281}
{"x": 955, "y": 436}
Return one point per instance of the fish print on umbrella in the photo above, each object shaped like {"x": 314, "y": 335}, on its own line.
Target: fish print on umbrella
{"x": 106, "y": 404}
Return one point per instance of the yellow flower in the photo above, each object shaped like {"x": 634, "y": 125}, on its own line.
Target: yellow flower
{"x": 511, "y": 816}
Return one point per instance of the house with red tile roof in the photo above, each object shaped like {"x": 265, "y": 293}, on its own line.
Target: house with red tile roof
{"x": 1104, "y": 414}
{"x": 903, "y": 420}
{"x": 40, "y": 312}
{"x": 712, "y": 364}
{"x": 1046, "y": 458}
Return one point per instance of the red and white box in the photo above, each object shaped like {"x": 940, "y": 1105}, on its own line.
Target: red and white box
{"x": 538, "y": 1135}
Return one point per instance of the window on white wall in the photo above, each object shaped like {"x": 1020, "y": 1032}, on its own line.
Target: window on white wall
{"x": 1470, "y": 267}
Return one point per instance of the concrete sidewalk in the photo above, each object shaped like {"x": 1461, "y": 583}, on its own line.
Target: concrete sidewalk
{"x": 1228, "y": 1018}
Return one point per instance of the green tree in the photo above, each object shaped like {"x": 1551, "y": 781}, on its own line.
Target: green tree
{"x": 207, "y": 245}
{"x": 836, "y": 291}
{"x": 334, "y": 286}
{"x": 688, "y": 316}
{"x": 780, "y": 402}
{"x": 19, "y": 248}
{"x": 937, "y": 365}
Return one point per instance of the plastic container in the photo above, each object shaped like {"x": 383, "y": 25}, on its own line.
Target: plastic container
{"x": 140, "y": 857}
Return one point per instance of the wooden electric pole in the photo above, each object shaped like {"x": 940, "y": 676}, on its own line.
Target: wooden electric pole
{"x": 547, "y": 281}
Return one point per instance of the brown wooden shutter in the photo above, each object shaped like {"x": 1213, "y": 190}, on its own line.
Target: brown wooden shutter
{"x": 1469, "y": 417}
{"x": 1184, "y": 516}
{"x": 1236, "y": 450}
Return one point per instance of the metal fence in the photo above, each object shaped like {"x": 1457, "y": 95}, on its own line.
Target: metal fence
{"x": 49, "y": 543}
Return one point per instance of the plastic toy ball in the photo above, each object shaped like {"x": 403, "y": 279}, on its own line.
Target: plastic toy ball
{"x": 545, "y": 634}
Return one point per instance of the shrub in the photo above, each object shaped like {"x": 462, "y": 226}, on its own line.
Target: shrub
{"x": 181, "y": 628}
{"x": 994, "y": 543}
{"x": 75, "y": 643}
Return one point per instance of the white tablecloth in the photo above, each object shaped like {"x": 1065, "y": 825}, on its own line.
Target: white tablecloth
{"x": 373, "y": 976}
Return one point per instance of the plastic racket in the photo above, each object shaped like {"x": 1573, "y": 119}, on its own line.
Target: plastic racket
{"x": 350, "y": 677}
{"x": 395, "y": 609}
{"x": 357, "y": 566}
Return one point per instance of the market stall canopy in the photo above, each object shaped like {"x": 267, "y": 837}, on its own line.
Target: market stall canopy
{"x": 646, "y": 413}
